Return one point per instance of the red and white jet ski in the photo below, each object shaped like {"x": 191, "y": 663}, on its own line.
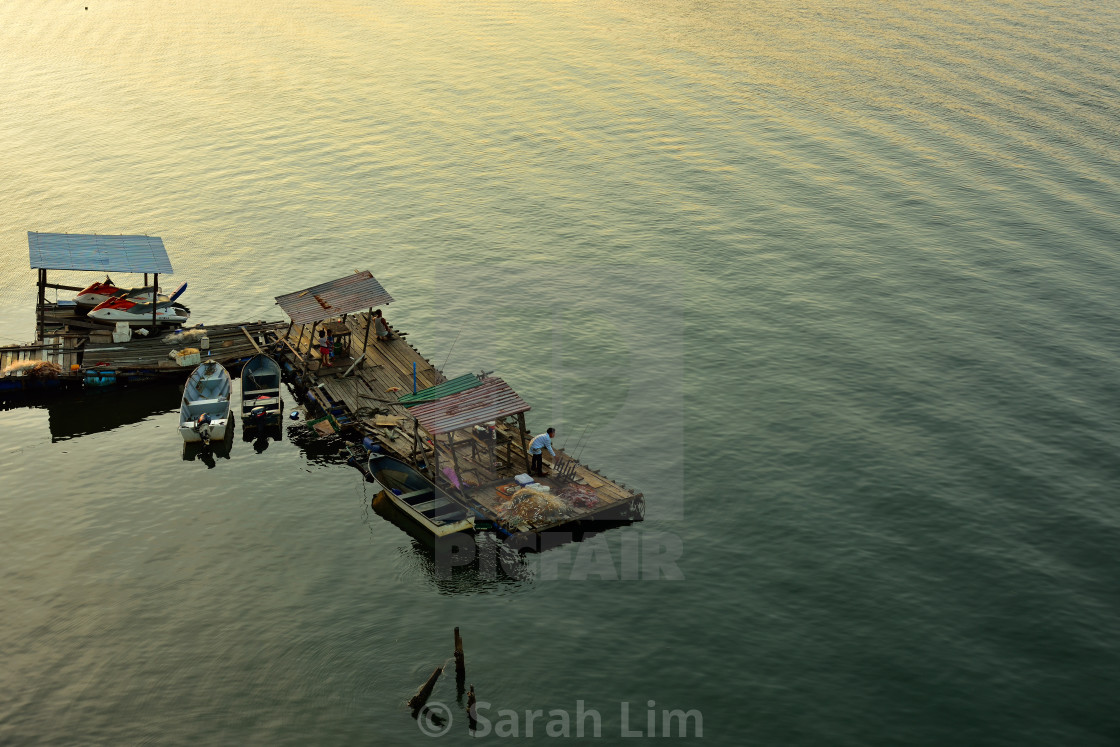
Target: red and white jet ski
{"x": 120, "y": 309}
{"x": 100, "y": 292}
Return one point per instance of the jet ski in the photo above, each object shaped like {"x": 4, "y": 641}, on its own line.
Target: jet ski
{"x": 98, "y": 293}
{"x": 120, "y": 309}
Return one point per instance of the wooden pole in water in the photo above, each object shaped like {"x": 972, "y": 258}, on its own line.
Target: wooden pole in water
{"x": 472, "y": 712}
{"x": 460, "y": 665}
{"x": 417, "y": 701}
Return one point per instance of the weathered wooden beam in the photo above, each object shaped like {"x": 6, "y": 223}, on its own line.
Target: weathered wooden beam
{"x": 255, "y": 346}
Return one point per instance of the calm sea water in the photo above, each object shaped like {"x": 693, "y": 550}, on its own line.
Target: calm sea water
{"x": 833, "y": 284}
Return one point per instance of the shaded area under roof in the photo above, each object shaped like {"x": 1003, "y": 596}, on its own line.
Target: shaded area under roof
{"x": 356, "y": 292}
{"x": 82, "y": 251}
{"x": 452, "y": 386}
{"x": 490, "y": 400}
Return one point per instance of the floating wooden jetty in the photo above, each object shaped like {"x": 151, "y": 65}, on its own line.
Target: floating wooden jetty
{"x": 75, "y": 359}
{"x": 466, "y": 434}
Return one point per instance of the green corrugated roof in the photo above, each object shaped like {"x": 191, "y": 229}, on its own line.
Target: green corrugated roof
{"x": 439, "y": 391}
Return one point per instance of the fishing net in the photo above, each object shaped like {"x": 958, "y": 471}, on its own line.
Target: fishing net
{"x": 180, "y": 336}
{"x": 579, "y": 496}
{"x": 535, "y": 507}
{"x": 37, "y": 369}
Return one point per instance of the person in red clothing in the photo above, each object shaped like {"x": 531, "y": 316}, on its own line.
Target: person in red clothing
{"x": 324, "y": 348}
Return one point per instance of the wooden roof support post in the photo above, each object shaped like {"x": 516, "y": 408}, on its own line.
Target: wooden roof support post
{"x": 155, "y": 301}
{"x": 491, "y": 438}
{"x": 365, "y": 340}
{"x": 455, "y": 457}
{"x": 311, "y": 340}
{"x": 415, "y": 438}
{"x": 509, "y": 449}
{"x": 435, "y": 457}
{"x": 521, "y": 432}
{"x": 42, "y": 300}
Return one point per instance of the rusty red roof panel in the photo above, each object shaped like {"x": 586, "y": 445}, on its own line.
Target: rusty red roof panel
{"x": 356, "y": 292}
{"x": 491, "y": 400}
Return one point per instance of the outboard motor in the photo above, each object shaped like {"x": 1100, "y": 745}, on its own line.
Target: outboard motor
{"x": 202, "y": 428}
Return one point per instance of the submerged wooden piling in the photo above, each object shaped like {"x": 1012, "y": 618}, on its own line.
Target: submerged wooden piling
{"x": 417, "y": 701}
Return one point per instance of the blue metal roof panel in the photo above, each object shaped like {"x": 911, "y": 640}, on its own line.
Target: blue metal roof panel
{"x": 80, "y": 251}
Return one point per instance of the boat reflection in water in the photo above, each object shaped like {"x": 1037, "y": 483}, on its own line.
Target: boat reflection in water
{"x": 209, "y": 454}
{"x": 462, "y": 563}
{"x": 261, "y": 435}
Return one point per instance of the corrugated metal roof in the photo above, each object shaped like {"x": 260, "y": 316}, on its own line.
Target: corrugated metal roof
{"x": 490, "y": 400}
{"x": 346, "y": 295}
{"x": 454, "y": 386}
{"x": 81, "y": 251}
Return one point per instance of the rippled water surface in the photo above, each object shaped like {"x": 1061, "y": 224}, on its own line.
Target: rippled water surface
{"x": 833, "y": 284}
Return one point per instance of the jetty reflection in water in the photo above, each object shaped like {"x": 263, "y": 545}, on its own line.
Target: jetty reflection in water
{"x": 317, "y": 449}
{"x": 82, "y": 412}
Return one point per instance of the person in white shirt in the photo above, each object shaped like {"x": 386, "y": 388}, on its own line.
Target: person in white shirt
{"x": 536, "y": 447}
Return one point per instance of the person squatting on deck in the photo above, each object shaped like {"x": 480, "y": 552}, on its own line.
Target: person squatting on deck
{"x": 536, "y": 447}
{"x": 382, "y": 328}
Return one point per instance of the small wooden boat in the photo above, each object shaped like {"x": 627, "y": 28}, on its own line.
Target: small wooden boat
{"x": 261, "y": 405}
{"x": 205, "y": 415}
{"x": 417, "y": 497}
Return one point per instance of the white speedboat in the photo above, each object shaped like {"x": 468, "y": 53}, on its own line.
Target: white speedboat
{"x": 117, "y": 309}
{"x": 205, "y": 415}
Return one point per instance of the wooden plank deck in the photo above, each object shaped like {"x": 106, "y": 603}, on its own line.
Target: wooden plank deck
{"x": 227, "y": 343}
